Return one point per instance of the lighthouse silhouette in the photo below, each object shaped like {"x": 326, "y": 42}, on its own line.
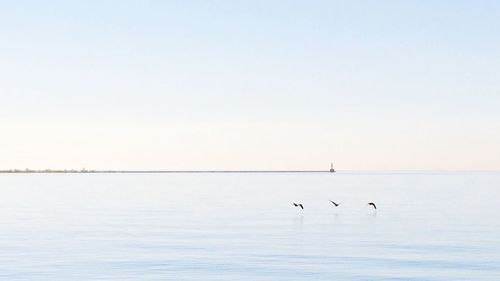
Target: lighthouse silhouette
{"x": 332, "y": 170}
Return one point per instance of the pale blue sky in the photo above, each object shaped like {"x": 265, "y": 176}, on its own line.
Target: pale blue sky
{"x": 250, "y": 84}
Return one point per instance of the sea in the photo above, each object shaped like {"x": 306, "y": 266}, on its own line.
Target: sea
{"x": 244, "y": 226}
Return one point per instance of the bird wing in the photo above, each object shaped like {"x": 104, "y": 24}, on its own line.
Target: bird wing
{"x": 301, "y": 206}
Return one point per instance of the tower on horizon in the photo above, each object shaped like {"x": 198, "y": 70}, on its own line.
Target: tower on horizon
{"x": 332, "y": 170}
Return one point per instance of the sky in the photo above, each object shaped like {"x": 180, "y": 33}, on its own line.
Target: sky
{"x": 246, "y": 85}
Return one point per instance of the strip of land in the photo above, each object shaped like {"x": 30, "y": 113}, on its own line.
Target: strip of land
{"x": 27, "y": 171}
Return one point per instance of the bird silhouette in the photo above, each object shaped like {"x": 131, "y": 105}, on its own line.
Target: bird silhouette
{"x": 336, "y": 204}
{"x": 372, "y": 204}
{"x": 298, "y": 205}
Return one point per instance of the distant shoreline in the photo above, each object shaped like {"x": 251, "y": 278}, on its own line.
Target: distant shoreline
{"x": 145, "y": 171}
{"x": 26, "y": 171}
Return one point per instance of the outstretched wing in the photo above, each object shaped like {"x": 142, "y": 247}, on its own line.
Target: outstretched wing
{"x": 334, "y": 203}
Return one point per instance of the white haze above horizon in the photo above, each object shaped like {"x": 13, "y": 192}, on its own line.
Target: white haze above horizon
{"x": 235, "y": 85}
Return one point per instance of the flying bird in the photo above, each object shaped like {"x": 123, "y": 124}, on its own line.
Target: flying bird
{"x": 372, "y": 204}
{"x": 336, "y": 204}
{"x": 298, "y": 205}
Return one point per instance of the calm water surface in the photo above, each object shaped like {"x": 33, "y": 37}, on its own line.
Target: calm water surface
{"x": 442, "y": 226}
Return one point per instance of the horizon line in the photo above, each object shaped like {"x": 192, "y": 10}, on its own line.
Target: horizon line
{"x": 85, "y": 171}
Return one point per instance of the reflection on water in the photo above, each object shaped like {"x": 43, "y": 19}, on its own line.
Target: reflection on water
{"x": 244, "y": 227}
{"x": 299, "y": 219}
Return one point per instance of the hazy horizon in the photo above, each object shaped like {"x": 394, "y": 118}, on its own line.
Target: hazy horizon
{"x": 256, "y": 85}
{"x": 85, "y": 170}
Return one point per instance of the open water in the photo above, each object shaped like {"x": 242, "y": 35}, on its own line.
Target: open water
{"x": 428, "y": 226}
